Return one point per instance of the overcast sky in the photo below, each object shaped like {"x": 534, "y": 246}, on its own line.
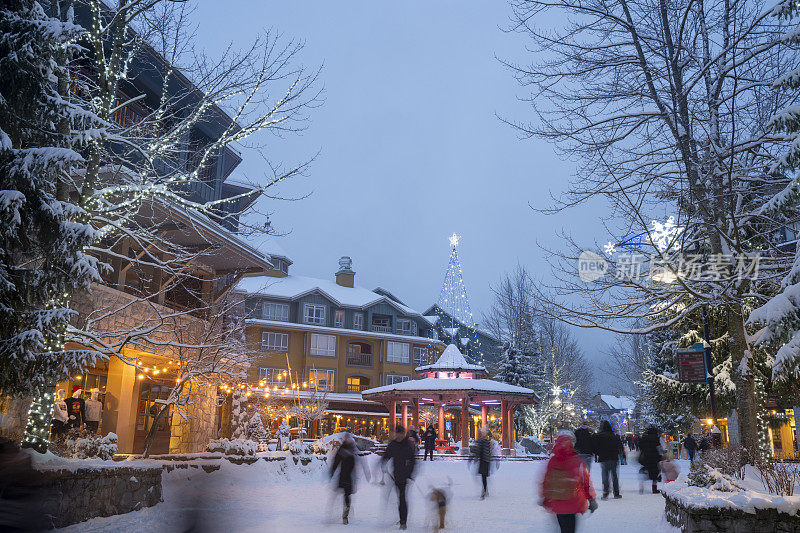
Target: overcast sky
{"x": 410, "y": 147}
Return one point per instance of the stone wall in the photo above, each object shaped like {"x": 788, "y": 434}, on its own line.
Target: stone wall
{"x": 13, "y": 417}
{"x": 72, "y": 496}
{"x": 716, "y": 520}
{"x": 193, "y": 433}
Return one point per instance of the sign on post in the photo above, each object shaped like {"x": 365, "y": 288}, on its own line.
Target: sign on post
{"x": 692, "y": 364}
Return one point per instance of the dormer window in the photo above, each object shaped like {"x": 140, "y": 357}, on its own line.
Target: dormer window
{"x": 338, "y": 319}
{"x": 404, "y": 326}
{"x": 314, "y": 314}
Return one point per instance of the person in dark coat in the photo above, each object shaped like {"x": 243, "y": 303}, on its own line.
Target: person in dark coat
{"x": 483, "y": 455}
{"x": 608, "y": 447}
{"x": 429, "y": 439}
{"x": 404, "y": 459}
{"x": 413, "y": 435}
{"x": 584, "y": 445}
{"x": 691, "y": 447}
{"x": 345, "y": 461}
{"x": 650, "y": 454}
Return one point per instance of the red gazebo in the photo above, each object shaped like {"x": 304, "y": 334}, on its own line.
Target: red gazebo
{"x": 452, "y": 381}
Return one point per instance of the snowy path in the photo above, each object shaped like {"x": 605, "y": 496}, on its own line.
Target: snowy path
{"x": 255, "y": 498}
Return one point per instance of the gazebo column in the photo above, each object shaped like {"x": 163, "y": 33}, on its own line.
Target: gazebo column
{"x": 464, "y": 424}
{"x": 405, "y": 415}
{"x": 441, "y": 420}
{"x": 504, "y": 423}
{"x": 415, "y": 416}
{"x": 511, "y": 437}
{"x": 483, "y": 415}
{"x": 393, "y": 416}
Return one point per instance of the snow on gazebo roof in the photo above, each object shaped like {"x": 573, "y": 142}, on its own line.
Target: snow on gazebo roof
{"x": 451, "y": 360}
{"x": 484, "y": 386}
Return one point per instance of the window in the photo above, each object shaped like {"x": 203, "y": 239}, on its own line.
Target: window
{"x": 397, "y": 352}
{"x": 272, "y": 377}
{"x": 322, "y": 379}
{"x": 338, "y": 319}
{"x": 403, "y": 326}
{"x": 315, "y": 314}
{"x": 273, "y": 311}
{"x": 391, "y": 379}
{"x": 276, "y": 342}
{"x": 323, "y": 345}
{"x": 382, "y": 323}
{"x": 421, "y": 356}
{"x": 357, "y": 383}
{"x": 358, "y": 321}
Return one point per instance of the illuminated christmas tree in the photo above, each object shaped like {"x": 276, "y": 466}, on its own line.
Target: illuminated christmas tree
{"x": 455, "y": 324}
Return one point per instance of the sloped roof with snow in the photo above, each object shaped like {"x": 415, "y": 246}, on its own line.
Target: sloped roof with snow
{"x": 294, "y": 287}
{"x": 451, "y": 360}
{"x": 487, "y": 386}
{"x": 618, "y": 402}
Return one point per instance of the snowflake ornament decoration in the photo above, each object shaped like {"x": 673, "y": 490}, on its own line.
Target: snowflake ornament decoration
{"x": 610, "y": 248}
{"x": 663, "y": 235}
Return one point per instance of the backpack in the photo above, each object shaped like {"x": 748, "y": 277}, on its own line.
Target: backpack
{"x": 561, "y": 484}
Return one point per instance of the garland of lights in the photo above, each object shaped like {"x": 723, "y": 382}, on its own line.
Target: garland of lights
{"x": 37, "y": 428}
{"x": 454, "y": 307}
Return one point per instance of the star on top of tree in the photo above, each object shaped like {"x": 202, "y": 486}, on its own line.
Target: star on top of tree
{"x": 454, "y": 239}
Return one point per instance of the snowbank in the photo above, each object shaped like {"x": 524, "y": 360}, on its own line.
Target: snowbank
{"x": 748, "y": 501}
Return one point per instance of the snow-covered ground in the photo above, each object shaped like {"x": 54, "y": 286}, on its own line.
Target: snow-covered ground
{"x": 271, "y": 497}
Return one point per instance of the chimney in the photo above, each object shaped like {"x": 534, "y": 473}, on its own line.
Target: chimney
{"x": 345, "y": 275}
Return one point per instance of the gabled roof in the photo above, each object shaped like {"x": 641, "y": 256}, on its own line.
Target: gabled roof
{"x": 295, "y": 287}
{"x": 451, "y": 360}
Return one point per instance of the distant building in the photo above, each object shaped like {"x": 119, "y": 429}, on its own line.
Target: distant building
{"x": 621, "y": 411}
{"x": 332, "y": 339}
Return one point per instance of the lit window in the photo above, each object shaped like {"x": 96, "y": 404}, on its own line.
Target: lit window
{"x": 274, "y": 311}
{"x": 322, "y": 379}
{"x": 338, "y": 319}
{"x": 315, "y": 314}
{"x": 358, "y": 321}
{"x": 397, "y": 352}
{"x": 273, "y": 377}
{"x": 276, "y": 342}
{"x": 324, "y": 345}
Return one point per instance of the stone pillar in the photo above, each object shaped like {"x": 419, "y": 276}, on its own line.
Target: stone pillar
{"x": 415, "y": 416}
{"x": 504, "y": 423}
{"x": 441, "y": 420}
{"x": 405, "y": 416}
{"x": 464, "y": 424}
{"x": 483, "y": 416}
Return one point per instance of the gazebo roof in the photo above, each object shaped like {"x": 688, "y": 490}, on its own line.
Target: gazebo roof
{"x": 439, "y": 385}
{"x": 451, "y": 360}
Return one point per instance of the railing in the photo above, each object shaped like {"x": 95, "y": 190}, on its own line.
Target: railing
{"x": 381, "y": 329}
{"x": 355, "y": 358}
{"x": 356, "y": 388}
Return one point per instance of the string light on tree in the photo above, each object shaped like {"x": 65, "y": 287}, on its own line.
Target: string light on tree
{"x": 455, "y": 314}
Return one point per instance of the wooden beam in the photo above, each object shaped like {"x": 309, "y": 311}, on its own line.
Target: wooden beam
{"x": 224, "y": 290}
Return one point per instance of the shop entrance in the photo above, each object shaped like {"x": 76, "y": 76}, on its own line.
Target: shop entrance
{"x": 146, "y": 414}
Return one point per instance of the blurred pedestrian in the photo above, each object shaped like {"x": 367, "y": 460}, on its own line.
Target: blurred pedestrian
{"x": 429, "y": 438}
{"x": 345, "y": 461}
{"x": 483, "y": 456}
{"x": 650, "y": 454}
{"x": 691, "y": 447}
{"x": 670, "y": 469}
{"x": 584, "y": 444}
{"x": 609, "y": 448}
{"x": 404, "y": 458}
{"x": 567, "y": 486}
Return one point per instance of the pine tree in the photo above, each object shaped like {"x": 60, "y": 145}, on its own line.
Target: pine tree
{"x": 43, "y": 236}
{"x": 514, "y": 367}
{"x": 255, "y": 429}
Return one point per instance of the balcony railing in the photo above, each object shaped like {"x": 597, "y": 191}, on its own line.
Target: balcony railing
{"x": 351, "y": 387}
{"x": 355, "y": 358}
{"x": 381, "y": 329}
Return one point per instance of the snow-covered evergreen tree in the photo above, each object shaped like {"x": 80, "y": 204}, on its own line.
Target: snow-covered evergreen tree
{"x": 514, "y": 367}
{"x": 255, "y": 429}
{"x": 781, "y": 314}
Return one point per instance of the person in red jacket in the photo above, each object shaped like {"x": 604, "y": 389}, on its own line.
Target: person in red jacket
{"x": 567, "y": 487}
